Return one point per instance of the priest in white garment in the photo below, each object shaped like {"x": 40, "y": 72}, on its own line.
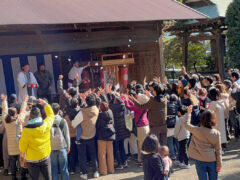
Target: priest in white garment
{"x": 76, "y": 69}
{"x": 26, "y": 83}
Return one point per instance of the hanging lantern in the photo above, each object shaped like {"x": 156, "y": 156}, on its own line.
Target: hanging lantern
{"x": 124, "y": 74}
{"x": 85, "y": 79}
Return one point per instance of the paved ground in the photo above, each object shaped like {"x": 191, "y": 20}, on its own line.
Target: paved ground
{"x": 230, "y": 170}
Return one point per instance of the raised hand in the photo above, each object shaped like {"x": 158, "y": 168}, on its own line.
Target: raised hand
{"x": 41, "y": 102}
{"x": 76, "y": 76}
{"x": 184, "y": 70}
{"x": 157, "y": 79}
{"x": 25, "y": 99}
{"x": 3, "y": 97}
{"x": 165, "y": 80}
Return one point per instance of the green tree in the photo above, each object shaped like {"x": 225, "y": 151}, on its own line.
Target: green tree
{"x": 233, "y": 33}
{"x": 173, "y": 53}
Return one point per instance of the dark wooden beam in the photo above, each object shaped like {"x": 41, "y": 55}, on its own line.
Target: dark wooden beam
{"x": 44, "y": 46}
{"x": 185, "y": 50}
{"x": 201, "y": 38}
{"x": 160, "y": 51}
{"x": 220, "y": 54}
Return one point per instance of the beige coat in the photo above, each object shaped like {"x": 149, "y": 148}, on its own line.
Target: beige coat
{"x": 218, "y": 108}
{"x": 205, "y": 144}
{"x": 13, "y": 129}
{"x": 90, "y": 116}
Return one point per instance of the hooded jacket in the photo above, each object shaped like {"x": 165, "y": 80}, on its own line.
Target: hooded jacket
{"x": 35, "y": 139}
{"x": 90, "y": 116}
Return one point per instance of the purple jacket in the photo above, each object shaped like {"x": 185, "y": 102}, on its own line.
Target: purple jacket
{"x": 137, "y": 113}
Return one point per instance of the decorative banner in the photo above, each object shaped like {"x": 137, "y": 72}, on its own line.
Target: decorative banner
{"x": 102, "y": 79}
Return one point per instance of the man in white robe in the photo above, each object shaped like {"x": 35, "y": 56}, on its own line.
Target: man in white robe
{"x": 76, "y": 70}
{"x": 26, "y": 83}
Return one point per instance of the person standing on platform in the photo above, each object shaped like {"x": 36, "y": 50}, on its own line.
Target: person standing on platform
{"x": 44, "y": 79}
{"x": 26, "y": 83}
{"x": 76, "y": 69}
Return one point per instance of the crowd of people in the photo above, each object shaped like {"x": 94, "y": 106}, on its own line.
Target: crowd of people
{"x": 157, "y": 124}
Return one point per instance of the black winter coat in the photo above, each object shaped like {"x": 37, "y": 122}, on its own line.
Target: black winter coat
{"x": 236, "y": 96}
{"x": 105, "y": 125}
{"x": 119, "y": 121}
{"x": 153, "y": 167}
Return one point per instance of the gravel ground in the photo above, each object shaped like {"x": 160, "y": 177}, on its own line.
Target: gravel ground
{"x": 230, "y": 170}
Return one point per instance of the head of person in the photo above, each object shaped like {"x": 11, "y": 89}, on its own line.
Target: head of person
{"x": 196, "y": 77}
{"x": 76, "y": 64}
{"x": 173, "y": 98}
{"x": 221, "y": 88}
{"x": 117, "y": 100}
{"x": 12, "y": 99}
{"x": 138, "y": 86}
{"x": 140, "y": 91}
{"x": 216, "y": 78}
{"x": 12, "y": 115}
{"x": 41, "y": 67}
{"x": 104, "y": 106}
{"x": 201, "y": 79}
{"x": 150, "y": 144}
{"x": 208, "y": 119}
{"x": 234, "y": 76}
{"x": 25, "y": 68}
{"x": 192, "y": 83}
{"x": 163, "y": 151}
{"x": 182, "y": 110}
{"x": 202, "y": 94}
{"x": 133, "y": 93}
{"x": 214, "y": 94}
{"x": 56, "y": 108}
{"x": 183, "y": 83}
{"x": 72, "y": 91}
{"x": 74, "y": 103}
{"x": 208, "y": 81}
{"x": 91, "y": 100}
{"x": 158, "y": 90}
{"x": 129, "y": 88}
{"x": 227, "y": 83}
{"x": 151, "y": 85}
{"x": 35, "y": 113}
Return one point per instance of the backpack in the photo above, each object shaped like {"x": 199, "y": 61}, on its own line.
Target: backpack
{"x": 57, "y": 138}
{"x": 171, "y": 115}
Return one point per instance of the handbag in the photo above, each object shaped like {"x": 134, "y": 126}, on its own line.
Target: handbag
{"x": 129, "y": 122}
{"x": 134, "y": 131}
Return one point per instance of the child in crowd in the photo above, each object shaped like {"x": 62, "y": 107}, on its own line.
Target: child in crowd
{"x": 164, "y": 152}
{"x": 153, "y": 165}
{"x": 203, "y": 99}
{"x": 172, "y": 142}
{"x": 183, "y": 136}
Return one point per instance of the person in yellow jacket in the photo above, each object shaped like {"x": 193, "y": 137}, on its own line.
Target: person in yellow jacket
{"x": 35, "y": 145}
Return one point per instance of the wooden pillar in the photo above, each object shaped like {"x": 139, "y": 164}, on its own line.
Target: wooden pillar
{"x": 185, "y": 50}
{"x": 220, "y": 54}
{"x": 160, "y": 51}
